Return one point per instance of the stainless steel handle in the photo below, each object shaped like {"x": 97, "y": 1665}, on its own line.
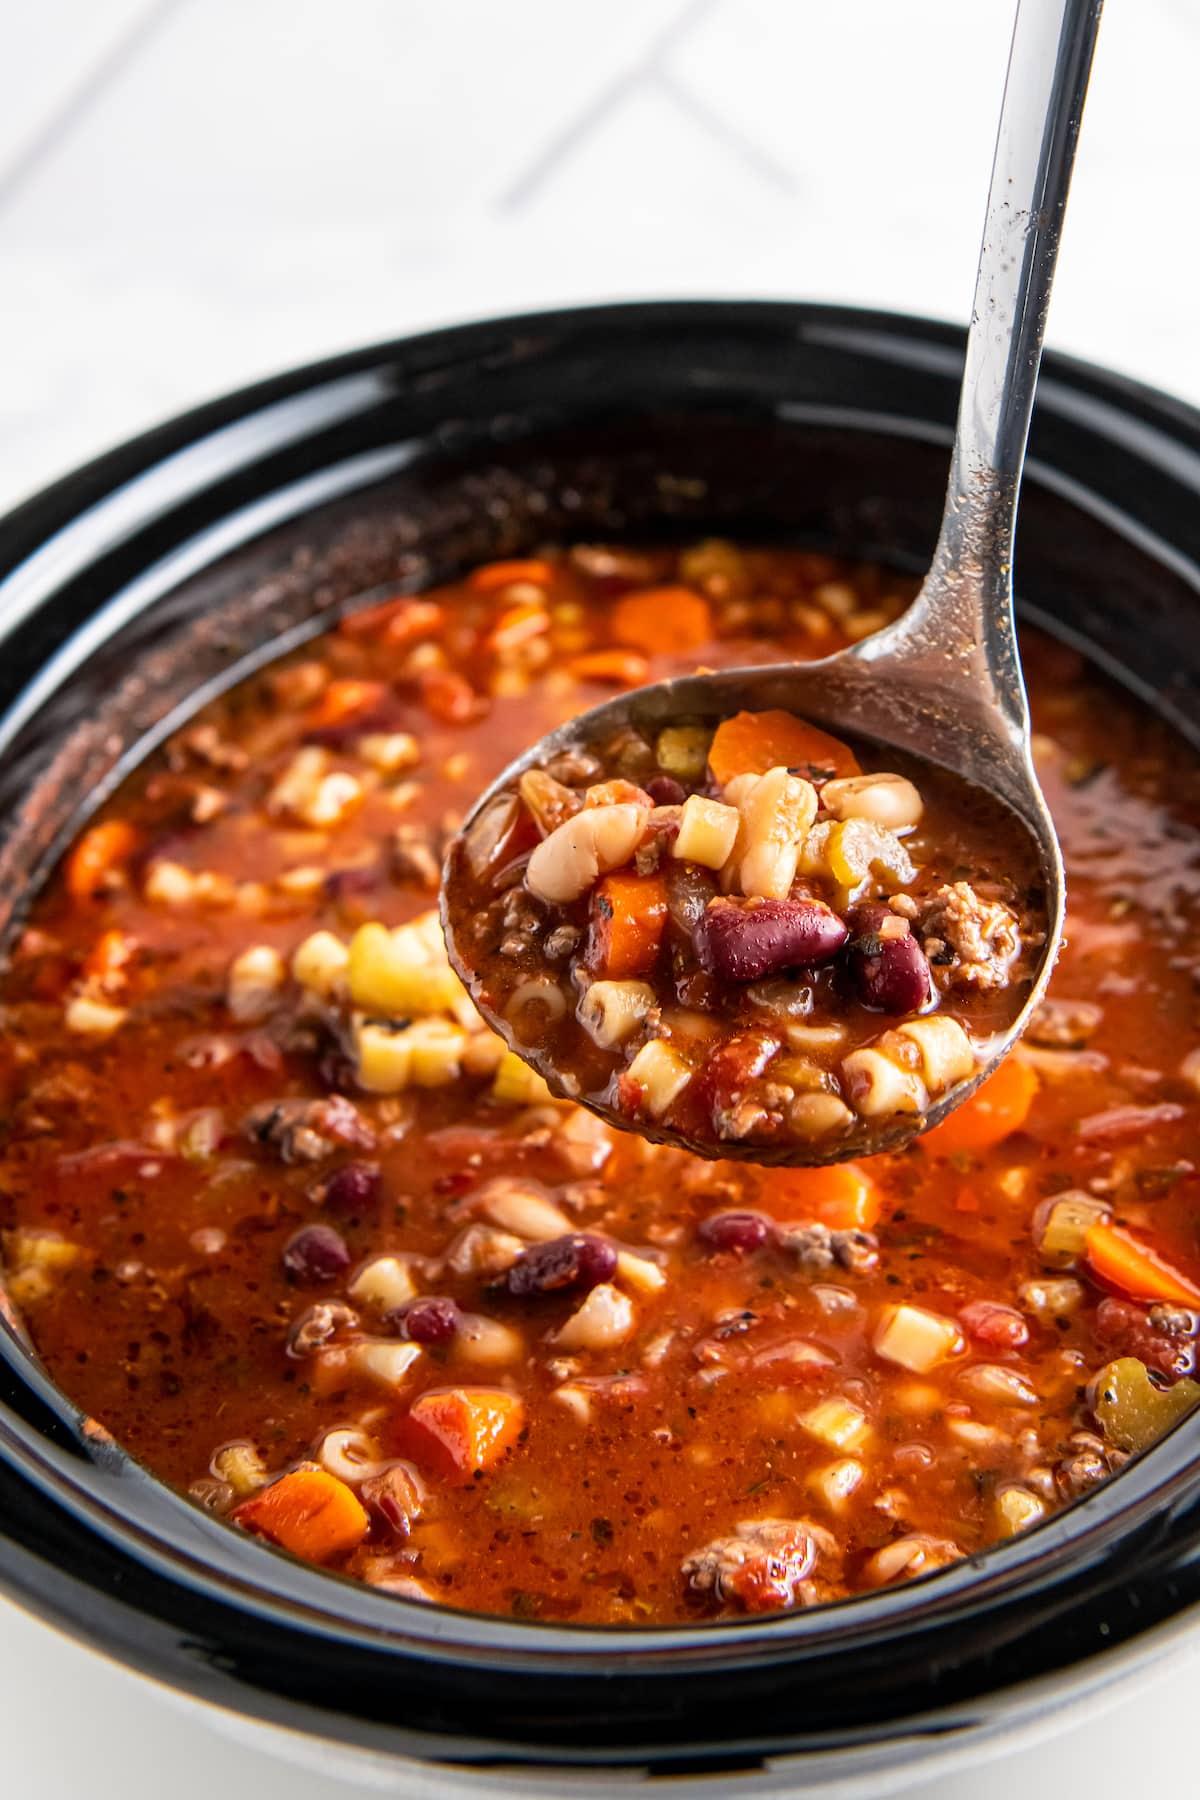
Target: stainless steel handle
{"x": 965, "y": 609}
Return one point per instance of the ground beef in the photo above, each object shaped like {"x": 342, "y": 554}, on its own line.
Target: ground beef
{"x": 817, "y": 1248}
{"x": 970, "y": 942}
{"x": 308, "y": 1130}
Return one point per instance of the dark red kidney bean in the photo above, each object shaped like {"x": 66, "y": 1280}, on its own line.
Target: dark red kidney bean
{"x": 432, "y": 1319}
{"x": 689, "y": 890}
{"x": 316, "y": 1253}
{"x": 1123, "y": 1329}
{"x": 341, "y": 884}
{"x": 353, "y": 1187}
{"x": 664, "y": 790}
{"x": 743, "y": 940}
{"x": 890, "y": 974}
{"x": 739, "y": 1231}
{"x": 1000, "y": 1327}
{"x": 580, "y": 1260}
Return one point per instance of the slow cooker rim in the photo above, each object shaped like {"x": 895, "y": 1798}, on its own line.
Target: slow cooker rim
{"x": 86, "y": 488}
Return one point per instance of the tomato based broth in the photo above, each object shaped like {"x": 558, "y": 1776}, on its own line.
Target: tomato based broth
{"x": 288, "y": 1220}
{"x": 747, "y": 933}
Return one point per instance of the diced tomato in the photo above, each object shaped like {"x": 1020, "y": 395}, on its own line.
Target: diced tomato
{"x": 455, "y": 1431}
{"x": 628, "y": 918}
{"x": 450, "y": 697}
{"x": 309, "y": 1512}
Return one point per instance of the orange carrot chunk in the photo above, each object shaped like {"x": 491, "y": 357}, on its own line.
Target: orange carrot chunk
{"x": 842, "y": 1196}
{"x": 346, "y": 700}
{"x": 309, "y": 1512}
{"x": 1115, "y": 1256}
{"x": 455, "y": 1431}
{"x": 109, "y": 957}
{"x": 1000, "y": 1106}
{"x": 99, "y": 854}
{"x": 752, "y": 743}
{"x": 400, "y": 621}
{"x": 625, "y": 932}
{"x": 493, "y": 576}
{"x": 662, "y": 621}
{"x": 610, "y": 668}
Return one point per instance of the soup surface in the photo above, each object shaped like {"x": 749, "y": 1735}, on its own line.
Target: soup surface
{"x": 288, "y": 1219}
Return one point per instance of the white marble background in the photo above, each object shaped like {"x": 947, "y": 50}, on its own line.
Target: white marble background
{"x": 194, "y": 193}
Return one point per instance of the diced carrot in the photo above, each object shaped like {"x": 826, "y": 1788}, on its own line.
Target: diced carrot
{"x": 752, "y": 743}
{"x": 966, "y": 1200}
{"x": 841, "y": 1195}
{"x": 506, "y": 574}
{"x": 610, "y": 668}
{"x": 450, "y": 697}
{"x": 309, "y": 1512}
{"x": 98, "y": 854}
{"x": 401, "y": 621}
{"x": 109, "y": 956}
{"x": 517, "y": 625}
{"x": 628, "y": 918}
{"x": 455, "y": 1431}
{"x": 662, "y": 621}
{"x": 1000, "y": 1106}
{"x": 1118, "y": 1258}
{"x": 345, "y": 700}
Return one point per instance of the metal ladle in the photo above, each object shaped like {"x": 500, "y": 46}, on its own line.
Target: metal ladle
{"x": 944, "y": 681}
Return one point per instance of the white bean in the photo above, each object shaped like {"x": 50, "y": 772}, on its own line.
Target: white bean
{"x": 888, "y": 800}
{"x": 568, "y": 862}
{"x": 605, "y": 1320}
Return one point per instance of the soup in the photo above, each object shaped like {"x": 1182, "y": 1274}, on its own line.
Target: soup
{"x": 297, "y": 1228}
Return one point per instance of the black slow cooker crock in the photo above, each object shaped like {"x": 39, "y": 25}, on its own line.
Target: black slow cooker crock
{"x": 168, "y": 568}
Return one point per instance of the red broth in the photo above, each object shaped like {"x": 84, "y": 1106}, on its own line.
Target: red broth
{"x": 283, "y": 1216}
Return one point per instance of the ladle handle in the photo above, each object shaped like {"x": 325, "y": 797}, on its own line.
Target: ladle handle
{"x": 967, "y": 597}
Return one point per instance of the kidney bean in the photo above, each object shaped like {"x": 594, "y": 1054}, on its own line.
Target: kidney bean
{"x": 353, "y": 1187}
{"x": 890, "y": 973}
{"x": 743, "y": 940}
{"x": 316, "y": 1253}
{"x": 664, "y": 790}
{"x": 1124, "y": 1329}
{"x": 432, "y": 1319}
{"x": 1000, "y": 1327}
{"x": 737, "y": 1231}
{"x": 579, "y": 1260}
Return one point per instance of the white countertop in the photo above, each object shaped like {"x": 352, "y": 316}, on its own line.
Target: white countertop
{"x": 195, "y": 193}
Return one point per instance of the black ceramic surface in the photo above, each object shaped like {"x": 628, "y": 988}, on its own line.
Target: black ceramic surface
{"x": 171, "y": 563}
